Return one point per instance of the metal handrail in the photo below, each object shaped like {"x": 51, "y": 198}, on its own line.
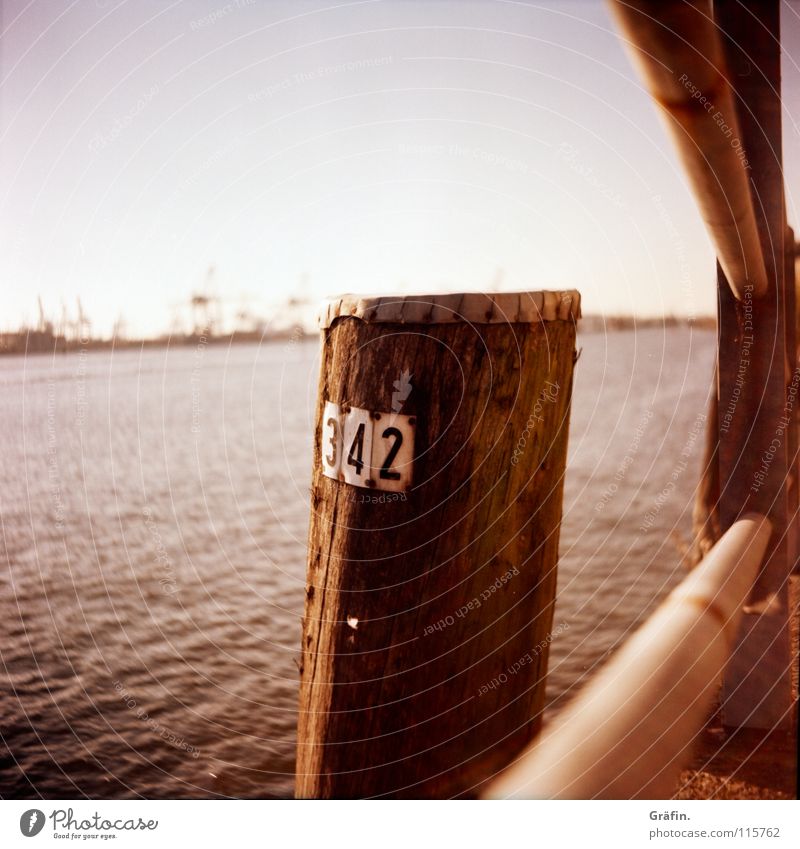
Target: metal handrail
{"x": 678, "y": 51}
{"x": 628, "y": 734}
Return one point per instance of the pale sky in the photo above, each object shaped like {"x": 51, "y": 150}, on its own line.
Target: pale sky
{"x": 308, "y": 148}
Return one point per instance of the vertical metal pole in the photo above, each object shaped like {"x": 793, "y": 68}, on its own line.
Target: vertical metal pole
{"x": 792, "y": 395}
{"x": 754, "y": 442}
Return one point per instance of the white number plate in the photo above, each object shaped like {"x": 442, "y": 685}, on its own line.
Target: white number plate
{"x": 331, "y": 439}
{"x": 368, "y": 449}
{"x": 356, "y": 459}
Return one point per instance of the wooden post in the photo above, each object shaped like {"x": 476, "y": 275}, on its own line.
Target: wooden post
{"x": 430, "y": 593}
{"x": 753, "y": 451}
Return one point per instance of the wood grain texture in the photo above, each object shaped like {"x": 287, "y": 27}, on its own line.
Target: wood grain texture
{"x": 399, "y": 704}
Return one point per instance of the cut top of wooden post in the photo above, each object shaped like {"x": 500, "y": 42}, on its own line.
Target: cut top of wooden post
{"x": 468, "y": 307}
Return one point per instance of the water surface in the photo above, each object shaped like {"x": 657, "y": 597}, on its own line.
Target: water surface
{"x": 154, "y": 510}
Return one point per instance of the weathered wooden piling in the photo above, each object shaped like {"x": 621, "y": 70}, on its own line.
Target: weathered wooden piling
{"x": 436, "y": 500}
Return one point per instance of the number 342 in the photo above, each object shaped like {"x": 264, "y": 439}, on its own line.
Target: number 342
{"x": 368, "y": 449}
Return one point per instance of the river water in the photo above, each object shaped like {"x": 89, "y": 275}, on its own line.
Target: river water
{"x": 154, "y": 511}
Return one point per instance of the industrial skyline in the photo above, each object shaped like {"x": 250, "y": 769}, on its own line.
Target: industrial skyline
{"x": 369, "y": 146}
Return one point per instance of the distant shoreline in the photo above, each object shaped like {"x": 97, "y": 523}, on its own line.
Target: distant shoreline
{"x": 23, "y": 343}
{"x": 37, "y": 342}
{"x": 627, "y": 322}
